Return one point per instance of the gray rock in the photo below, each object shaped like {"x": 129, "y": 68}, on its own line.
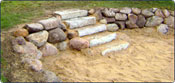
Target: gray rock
{"x": 110, "y": 20}
{"x": 62, "y": 26}
{"x": 56, "y": 35}
{"x": 115, "y": 10}
{"x": 79, "y": 43}
{"x": 121, "y": 24}
{"x": 172, "y": 13}
{"x": 162, "y": 28}
{"x": 49, "y": 50}
{"x": 108, "y": 13}
{"x": 91, "y": 11}
{"x": 112, "y": 27}
{"x": 132, "y": 18}
{"x": 98, "y": 14}
{"x": 49, "y": 76}
{"x": 159, "y": 13}
{"x": 27, "y": 48}
{"x": 34, "y": 64}
{"x": 50, "y": 23}
{"x": 153, "y": 10}
{"x": 166, "y": 13}
{"x": 34, "y": 27}
{"x": 131, "y": 25}
{"x": 120, "y": 16}
{"x": 62, "y": 46}
{"x": 125, "y": 10}
{"x": 169, "y": 21}
{"x": 147, "y": 13}
{"x": 38, "y": 38}
{"x": 153, "y": 21}
{"x": 136, "y": 10}
{"x": 141, "y": 21}
{"x": 103, "y": 21}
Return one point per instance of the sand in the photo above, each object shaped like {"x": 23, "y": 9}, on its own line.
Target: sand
{"x": 149, "y": 58}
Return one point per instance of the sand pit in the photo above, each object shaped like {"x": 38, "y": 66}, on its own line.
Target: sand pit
{"x": 149, "y": 58}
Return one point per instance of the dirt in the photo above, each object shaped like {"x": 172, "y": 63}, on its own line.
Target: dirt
{"x": 149, "y": 58}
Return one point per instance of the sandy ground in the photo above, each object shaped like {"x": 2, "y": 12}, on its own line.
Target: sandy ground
{"x": 149, "y": 58}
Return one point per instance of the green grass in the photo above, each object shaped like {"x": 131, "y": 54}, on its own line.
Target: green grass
{"x": 3, "y": 62}
{"x": 17, "y": 12}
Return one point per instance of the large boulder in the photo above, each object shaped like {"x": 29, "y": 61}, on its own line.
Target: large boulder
{"x": 121, "y": 24}
{"x": 50, "y": 23}
{"x": 120, "y": 16}
{"x": 20, "y": 32}
{"x": 49, "y": 50}
{"x": 49, "y": 76}
{"x": 98, "y": 14}
{"x": 112, "y": 27}
{"x": 147, "y": 13}
{"x": 108, "y": 13}
{"x": 141, "y": 21}
{"x": 136, "y": 10}
{"x": 56, "y": 35}
{"x": 115, "y": 10}
{"x": 162, "y": 28}
{"x": 166, "y": 13}
{"x": 159, "y": 13}
{"x": 110, "y": 20}
{"x": 169, "y": 21}
{"x": 79, "y": 43}
{"x": 131, "y": 25}
{"x": 34, "y": 27}
{"x": 21, "y": 46}
{"x": 133, "y": 18}
{"x": 154, "y": 21}
{"x": 125, "y": 10}
{"x": 38, "y": 38}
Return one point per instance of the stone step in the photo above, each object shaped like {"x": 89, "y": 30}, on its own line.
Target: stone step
{"x": 80, "y": 22}
{"x": 115, "y": 48}
{"x": 88, "y": 30}
{"x": 109, "y": 48}
{"x": 71, "y": 13}
{"x": 100, "y": 38}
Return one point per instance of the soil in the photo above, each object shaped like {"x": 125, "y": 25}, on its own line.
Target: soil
{"x": 149, "y": 58}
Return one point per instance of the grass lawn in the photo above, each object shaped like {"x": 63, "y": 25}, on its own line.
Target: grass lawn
{"x": 17, "y": 12}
